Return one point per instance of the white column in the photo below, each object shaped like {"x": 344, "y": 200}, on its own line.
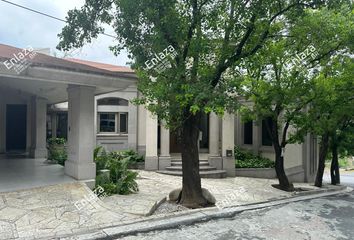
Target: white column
{"x": 165, "y": 158}
{"x": 257, "y": 137}
{"x": 215, "y": 159}
{"x": 151, "y": 158}
{"x": 39, "y": 128}
{"x": 81, "y": 135}
{"x": 228, "y": 144}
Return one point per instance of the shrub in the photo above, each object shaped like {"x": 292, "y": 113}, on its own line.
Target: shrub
{"x": 121, "y": 180}
{"x": 246, "y": 159}
{"x": 57, "y": 150}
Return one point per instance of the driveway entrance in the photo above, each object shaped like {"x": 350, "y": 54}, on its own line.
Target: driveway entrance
{"x": 18, "y": 172}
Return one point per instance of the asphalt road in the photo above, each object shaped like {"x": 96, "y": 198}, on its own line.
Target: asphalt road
{"x": 322, "y": 218}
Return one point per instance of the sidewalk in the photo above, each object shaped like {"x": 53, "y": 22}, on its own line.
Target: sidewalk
{"x": 50, "y": 211}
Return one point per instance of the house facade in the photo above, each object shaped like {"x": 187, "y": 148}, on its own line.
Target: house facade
{"x": 89, "y": 104}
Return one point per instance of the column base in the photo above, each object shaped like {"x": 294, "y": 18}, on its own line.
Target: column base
{"x": 228, "y": 164}
{"x": 164, "y": 161}
{"x": 86, "y": 172}
{"x": 151, "y": 163}
{"x": 215, "y": 161}
{"x": 38, "y": 153}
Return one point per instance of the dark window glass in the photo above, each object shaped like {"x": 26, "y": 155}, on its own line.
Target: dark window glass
{"x": 107, "y": 122}
{"x": 112, "y": 102}
{"x": 248, "y": 133}
{"x": 266, "y": 139}
{"x": 123, "y": 122}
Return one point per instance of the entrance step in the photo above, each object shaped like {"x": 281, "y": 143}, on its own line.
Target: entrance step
{"x": 205, "y": 170}
{"x": 201, "y": 168}
{"x": 203, "y": 174}
{"x": 179, "y": 163}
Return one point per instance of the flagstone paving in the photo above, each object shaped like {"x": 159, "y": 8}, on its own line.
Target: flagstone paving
{"x": 50, "y": 211}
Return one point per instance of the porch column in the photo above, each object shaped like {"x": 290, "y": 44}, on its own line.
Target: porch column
{"x": 215, "y": 159}
{"x": 53, "y": 117}
{"x": 165, "y": 158}
{"x": 39, "y": 127}
{"x": 81, "y": 135}
{"x": 151, "y": 158}
{"x": 228, "y": 144}
{"x": 257, "y": 137}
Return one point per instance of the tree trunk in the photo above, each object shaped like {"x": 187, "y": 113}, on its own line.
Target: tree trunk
{"x": 322, "y": 158}
{"x": 335, "y": 176}
{"x": 284, "y": 183}
{"x": 191, "y": 195}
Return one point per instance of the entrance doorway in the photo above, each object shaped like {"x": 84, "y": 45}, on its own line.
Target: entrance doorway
{"x": 16, "y": 127}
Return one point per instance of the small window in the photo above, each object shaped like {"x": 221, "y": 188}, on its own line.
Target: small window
{"x": 113, "y": 122}
{"x": 248, "y": 133}
{"x": 123, "y": 122}
{"x": 266, "y": 139}
{"x": 112, "y": 102}
{"x": 107, "y": 122}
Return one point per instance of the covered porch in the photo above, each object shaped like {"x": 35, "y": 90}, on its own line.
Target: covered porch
{"x": 24, "y": 97}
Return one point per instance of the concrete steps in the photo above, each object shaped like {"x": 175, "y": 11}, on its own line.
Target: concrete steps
{"x": 203, "y": 174}
{"x": 205, "y": 170}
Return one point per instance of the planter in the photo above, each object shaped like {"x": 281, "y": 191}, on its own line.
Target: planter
{"x": 268, "y": 173}
{"x": 57, "y": 153}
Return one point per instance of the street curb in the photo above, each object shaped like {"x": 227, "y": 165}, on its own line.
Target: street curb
{"x": 176, "y": 220}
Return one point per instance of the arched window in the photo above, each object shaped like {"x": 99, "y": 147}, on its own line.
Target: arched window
{"x": 112, "y": 101}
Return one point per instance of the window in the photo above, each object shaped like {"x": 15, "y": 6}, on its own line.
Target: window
{"x": 107, "y": 122}
{"x": 248, "y": 133}
{"x": 266, "y": 139}
{"x": 123, "y": 122}
{"x": 113, "y": 122}
{"x": 112, "y": 102}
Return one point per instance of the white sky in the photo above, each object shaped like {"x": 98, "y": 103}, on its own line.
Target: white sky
{"x": 21, "y": 28}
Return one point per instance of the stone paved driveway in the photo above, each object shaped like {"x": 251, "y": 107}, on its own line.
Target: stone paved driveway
{"x": 49, "y": 211}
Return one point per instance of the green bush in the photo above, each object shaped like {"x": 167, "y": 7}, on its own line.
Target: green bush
{"x": 121, "y": 180}
{"x": 246, "y": 159}
{"x": 57, "y": 150}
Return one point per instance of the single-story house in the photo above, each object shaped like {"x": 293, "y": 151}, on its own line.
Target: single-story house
{"x": 89, "y": 104}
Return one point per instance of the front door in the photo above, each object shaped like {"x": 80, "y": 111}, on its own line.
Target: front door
{"x": 16, "y": 127}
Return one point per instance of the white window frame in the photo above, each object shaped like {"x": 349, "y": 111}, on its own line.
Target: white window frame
{"x": 116, "y": 123}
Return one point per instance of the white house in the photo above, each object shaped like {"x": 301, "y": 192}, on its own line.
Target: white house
{"x": 99, "y": 112}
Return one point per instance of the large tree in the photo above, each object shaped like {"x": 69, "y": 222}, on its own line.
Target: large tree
{"x": 209, "y": 37}
{"x": 331, "y": 114}
{"x": 279, "y": 78}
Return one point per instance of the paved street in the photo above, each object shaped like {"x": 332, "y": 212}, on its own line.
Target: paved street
{"x": 323, "y": 218}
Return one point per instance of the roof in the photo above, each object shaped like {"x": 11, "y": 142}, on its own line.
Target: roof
{"x": 8, "y": 52}
{"x": 105, "y": 66}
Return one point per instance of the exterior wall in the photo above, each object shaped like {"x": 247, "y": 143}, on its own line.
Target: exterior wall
{"x": 13, "y": 97}
{"x": 300, "y": 159}
{"x": 116, "y": 142}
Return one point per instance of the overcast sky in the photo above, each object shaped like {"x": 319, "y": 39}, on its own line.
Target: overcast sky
{"x": 21, "y": 28}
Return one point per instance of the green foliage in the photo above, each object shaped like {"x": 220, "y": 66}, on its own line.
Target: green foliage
{"x": 343, "y": 162}
{"x": 121, "y": 180}
{"x": 57, "y": 150}
{"x": 246, "y": 159}
{"x": 211, "y": 38}
{"x": 58, "y": 141}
